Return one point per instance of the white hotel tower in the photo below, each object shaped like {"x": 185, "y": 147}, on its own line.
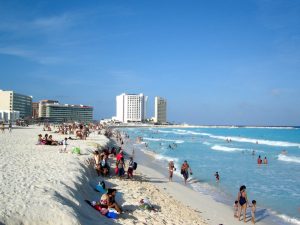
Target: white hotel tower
{"x": 131, "y": 107}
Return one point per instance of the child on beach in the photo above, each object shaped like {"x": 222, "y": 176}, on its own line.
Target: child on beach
{"x": 217, "y": 176}
{"x": 253, "y": 209}
{"x": 235, "y": 209}
{"x": 64, "y": 144}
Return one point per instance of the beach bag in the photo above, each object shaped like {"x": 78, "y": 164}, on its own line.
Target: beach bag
{"x": 134, "y": 166}
{"x": 116, "y": 170}
{"x": 101, "y": 189}
{"x": 102, "y": 183}
{"x": 112, "y": 215}
{"x": 76, "y": 150}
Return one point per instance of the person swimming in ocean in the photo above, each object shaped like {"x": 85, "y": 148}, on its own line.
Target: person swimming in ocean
{"x": 265, "y": 160}
{"x": 259, "y": 161}
{"x": 284, "y": 152}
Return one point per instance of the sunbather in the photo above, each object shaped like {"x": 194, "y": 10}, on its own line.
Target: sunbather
{"x": 108, "y": 200}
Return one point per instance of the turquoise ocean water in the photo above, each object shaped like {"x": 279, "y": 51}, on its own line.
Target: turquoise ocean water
{"x": 274, "y": 186}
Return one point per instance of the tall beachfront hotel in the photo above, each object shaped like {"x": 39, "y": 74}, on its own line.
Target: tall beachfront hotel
{"x": 11, "y": 101}
{"x": 160, "y": 107}
{"x": 53, "y": 111}
{"x": 131, "y": 107}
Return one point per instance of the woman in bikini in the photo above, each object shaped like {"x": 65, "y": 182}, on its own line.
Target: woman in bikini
{"x": 171, "y": 169}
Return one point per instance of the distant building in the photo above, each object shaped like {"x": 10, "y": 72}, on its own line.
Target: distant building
{"x": 12, "y": 101}
{"x": 131, "y": 107}
{"x": 42, "y": 107}
{"x": 9, "y": 116}
{"x": 160, "y": 110}
{"x": 35, "y": 110}
{"x": 54, "y": 112}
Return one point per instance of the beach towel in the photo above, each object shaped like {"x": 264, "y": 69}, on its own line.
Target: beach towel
{"x": 97, "y": 207}
{"x": 100, "y": 189}
{"x": 76, "y": 150}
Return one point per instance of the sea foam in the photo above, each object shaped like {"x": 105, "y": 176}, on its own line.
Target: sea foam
{"x": 225, "y": 149}
{"x": 246, "y": 140}
{"x": 286, "y": 158}
{"x": 162, "y": 139}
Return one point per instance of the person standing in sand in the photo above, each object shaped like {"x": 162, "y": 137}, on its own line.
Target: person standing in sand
{"x": 97, "y": 162}
{"x": 171, "y": 170}
{"x": 185, "y": 168}
{"x": 10, "y": 127}
{"x": 3, "y": 127}
{"x": 243, "y": 202}
{"x": 130, "y": 168}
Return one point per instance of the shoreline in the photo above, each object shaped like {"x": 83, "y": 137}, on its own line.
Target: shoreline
{"x": 133, "y": 125}
{"x": 212, "y": 211}
{"x": 51, "y": 187}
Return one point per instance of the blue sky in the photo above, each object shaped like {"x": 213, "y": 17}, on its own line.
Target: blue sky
{"x": 216, "y": 61}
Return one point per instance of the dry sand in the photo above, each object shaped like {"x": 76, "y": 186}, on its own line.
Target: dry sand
{"x": 39, "y": 185}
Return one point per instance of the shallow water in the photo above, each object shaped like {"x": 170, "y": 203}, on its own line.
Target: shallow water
{"x": 274, "y": 186}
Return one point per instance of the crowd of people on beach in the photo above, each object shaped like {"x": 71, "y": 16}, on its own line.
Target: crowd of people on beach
{"x": 102, "y": 159}
{"x": 110, "y": 161}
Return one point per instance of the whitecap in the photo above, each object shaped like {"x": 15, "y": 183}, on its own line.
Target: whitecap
{"x": 162, "y": 139}
{"x": 251, "y": 140}
{"x": 225, "y": 149}
{"x": 288, "y": 219}
{"x": 286, "y": 158}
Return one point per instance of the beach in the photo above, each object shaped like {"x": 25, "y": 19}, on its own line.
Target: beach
{"x": 39, "y": 185}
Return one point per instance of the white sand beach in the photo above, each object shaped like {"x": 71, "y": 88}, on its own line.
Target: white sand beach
{"x": 39, "y": 185}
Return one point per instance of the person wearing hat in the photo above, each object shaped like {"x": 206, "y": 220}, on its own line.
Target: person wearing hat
{"x": 185, "y": 168}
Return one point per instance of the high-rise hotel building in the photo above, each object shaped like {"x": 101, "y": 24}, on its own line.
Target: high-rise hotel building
{"x": 131, "y": 107}
{"x": 55, "y": 112}
{"x": 160, "y": 110}
{"x": 12, "y": 101}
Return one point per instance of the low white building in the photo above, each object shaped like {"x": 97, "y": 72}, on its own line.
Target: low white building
{"x": 9, "y": 116}
{"x": 131, "y": 107}
{"x": 160, "y": 110}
